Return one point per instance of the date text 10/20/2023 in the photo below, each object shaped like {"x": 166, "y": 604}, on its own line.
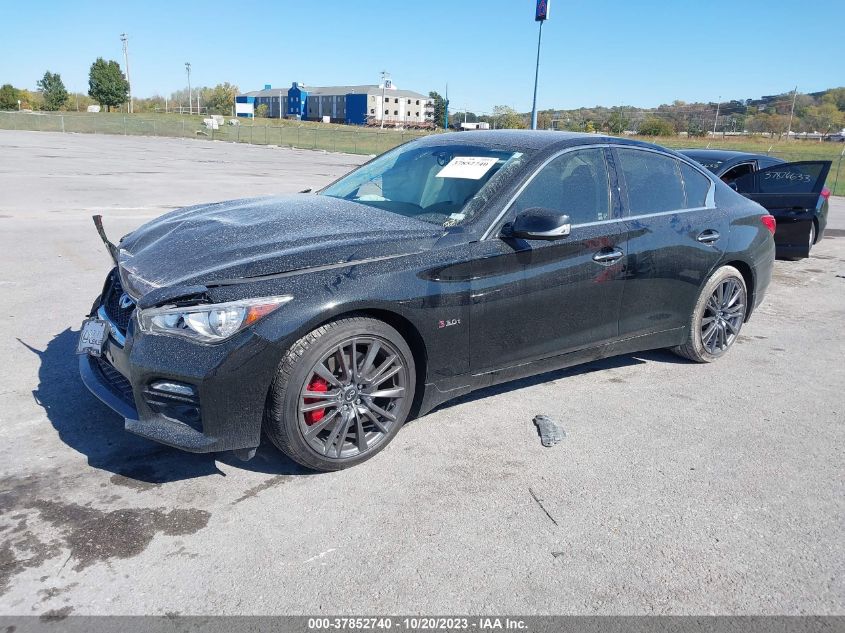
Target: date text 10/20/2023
{"x": 417, "y": 623}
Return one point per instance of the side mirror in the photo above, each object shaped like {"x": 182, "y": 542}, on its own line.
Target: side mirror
{"x": 539, "y": 224}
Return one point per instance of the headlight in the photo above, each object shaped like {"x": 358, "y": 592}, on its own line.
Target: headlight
{"x": 208, "y": 322}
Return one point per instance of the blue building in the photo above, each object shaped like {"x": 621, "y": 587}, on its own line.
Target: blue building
{"x": 357, "y": 105}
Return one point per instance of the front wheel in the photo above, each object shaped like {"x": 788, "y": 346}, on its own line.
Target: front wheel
{"x": 717, "y": 317}
{"x": 341, "y": 393}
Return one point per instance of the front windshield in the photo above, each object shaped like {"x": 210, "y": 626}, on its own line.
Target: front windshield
{"x": 426, "y": 182}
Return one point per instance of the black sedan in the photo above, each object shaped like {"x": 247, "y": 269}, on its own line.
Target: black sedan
{"x": 794, "y": 193}
{"x": 448, "y": 264}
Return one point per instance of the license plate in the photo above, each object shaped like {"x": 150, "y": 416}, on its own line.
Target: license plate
{"x": 93, "y": 337}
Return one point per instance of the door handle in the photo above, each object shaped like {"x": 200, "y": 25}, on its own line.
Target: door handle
{"x": 708, "y": 237}
{"x": 608, "y": 257}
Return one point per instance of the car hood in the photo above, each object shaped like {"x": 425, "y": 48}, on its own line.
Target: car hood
{"x": 263, "y": 236}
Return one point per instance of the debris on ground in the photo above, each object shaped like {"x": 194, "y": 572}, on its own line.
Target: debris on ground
{"x": 550, "y": 431}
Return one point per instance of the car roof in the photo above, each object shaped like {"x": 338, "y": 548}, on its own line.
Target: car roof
{"x": 724, "y": 155}
{"x": 523, "y": 140}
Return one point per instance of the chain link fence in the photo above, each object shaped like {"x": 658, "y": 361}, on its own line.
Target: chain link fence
{"x": 334, "y": 138}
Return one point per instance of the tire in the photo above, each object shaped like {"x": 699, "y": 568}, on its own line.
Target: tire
{"x": 812, "y": 238}
{"x": 723, "y": 312}
{"x": 319, "y": 364}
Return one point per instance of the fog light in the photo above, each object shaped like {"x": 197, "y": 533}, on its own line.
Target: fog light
{"x": 175, "y": 388}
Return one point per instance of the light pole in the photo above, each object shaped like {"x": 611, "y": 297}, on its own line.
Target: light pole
{"x": 125, "y": 39}
{"x": 384, "y": 76}
{"x": 541, "y": 15}
{"x": 190, "y": 97}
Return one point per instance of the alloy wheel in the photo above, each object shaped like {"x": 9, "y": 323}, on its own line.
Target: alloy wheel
{"x": 350, "y": 400}
{"x": 724, "y": 313}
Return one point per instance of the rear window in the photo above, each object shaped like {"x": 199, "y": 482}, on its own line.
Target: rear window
{"x": 708, "y": 162}
{"x": 696, "y": 186}
{"x": 653, "y": 181}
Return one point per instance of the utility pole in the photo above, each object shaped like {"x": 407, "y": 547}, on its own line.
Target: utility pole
{"x": 190, "y": 97}
{"x": 125, "y": 39}
{"x": 791, "y": 112}
{"x": 541, "y": 15}
{"x": 716, "y": 120}
{"x": 446, "y": 110}
{"x": 384, "y": 76}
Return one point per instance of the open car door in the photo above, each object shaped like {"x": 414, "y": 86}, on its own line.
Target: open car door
{"x": 786, "y": 187}
{"x": 792, "y": 192}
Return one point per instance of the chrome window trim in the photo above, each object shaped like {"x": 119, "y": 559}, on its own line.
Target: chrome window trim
{"x": 709, "y": 201}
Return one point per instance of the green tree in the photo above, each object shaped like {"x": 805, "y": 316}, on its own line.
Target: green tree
{"x": 53, "y": 90}
{"x": 655, "y": 126}
{"x": 9, "y": 96}
{"x": 544, "y": 119}
{"x": 221, "y": 98}
{"x": 696, "y": 128}
{"x": 617, "y": 122}
{"x": 507, "y": 117}
{"x": 836, "y": 96}
{"x": 107, "y": 84}
{"x": 439, "y": 107}
{"x": 775, "y": 123}
{"x": 262, "y": 111}
{"x": 824, "y": 118}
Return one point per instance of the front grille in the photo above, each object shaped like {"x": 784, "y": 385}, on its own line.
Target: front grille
{"x": 111, "y": 303}
{"x": 116, "y": 382}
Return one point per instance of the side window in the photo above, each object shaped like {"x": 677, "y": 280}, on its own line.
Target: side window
{"x": 653, "y": 181}
{"x": 737, "y": 172}
{"x": 574, "y": 183}
{"x": 801, "y": 177}
{"x": 696, "y": 186}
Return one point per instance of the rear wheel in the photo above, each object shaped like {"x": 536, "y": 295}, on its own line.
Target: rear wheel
{"x": 341, "y": 394}
{"x": 717, "y": 317}
{"x": 812, "y": 240}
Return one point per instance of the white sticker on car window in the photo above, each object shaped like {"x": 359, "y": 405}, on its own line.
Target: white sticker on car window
{"x": 470, "y": 167}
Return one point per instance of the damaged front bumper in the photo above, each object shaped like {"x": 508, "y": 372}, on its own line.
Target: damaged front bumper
{"x": 195, "y": 397}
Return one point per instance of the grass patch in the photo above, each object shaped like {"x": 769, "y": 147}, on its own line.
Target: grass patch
{"x": 330, "y": 137}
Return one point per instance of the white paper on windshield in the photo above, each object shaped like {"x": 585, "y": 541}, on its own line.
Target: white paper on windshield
{"x": 471, "y": 167}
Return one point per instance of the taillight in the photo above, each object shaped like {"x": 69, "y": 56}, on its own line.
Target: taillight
{"x": 770, "y": 222}
{"x": 826, "y": 193}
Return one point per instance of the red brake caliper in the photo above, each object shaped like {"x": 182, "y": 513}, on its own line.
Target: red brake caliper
{"x": 316, "y": 384}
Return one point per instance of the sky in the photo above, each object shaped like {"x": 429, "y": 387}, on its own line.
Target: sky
{"x": 595, "y": 52}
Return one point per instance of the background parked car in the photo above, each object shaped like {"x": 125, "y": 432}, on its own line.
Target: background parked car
{"x": 792, "y": 192}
